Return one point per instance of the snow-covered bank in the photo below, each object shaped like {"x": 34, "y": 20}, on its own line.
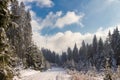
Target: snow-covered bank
{"x": 51, "y": 74}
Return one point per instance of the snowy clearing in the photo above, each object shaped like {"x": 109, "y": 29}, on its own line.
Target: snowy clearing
{"x": 51, "y": 74}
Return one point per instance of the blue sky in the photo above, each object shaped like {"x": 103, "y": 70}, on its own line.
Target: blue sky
{"x": 98, "y": 13}
{"x": 55, "y": 20}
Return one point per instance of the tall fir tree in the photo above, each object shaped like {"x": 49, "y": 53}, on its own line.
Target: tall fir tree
{"x": 94, "y": 47}
{"x": 6, "y": 52}
{"x": 109, "y": 53}
{"x": 114, "y": 40}
{"x": 64, "y": 57}
{"x": 100, "y": 55}
{"x": 75, "y": 53}
{"x": 83, "y": 51}
{"x": 69, "y": 52}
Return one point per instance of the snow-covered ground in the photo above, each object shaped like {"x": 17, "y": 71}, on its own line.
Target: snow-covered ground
{"x": 60, "y": 74}
{"x": 51, "y": 74}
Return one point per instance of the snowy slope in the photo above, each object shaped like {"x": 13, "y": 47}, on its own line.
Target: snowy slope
{"x": 51, "y": 74}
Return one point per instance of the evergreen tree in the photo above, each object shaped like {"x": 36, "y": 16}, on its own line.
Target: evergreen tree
{"x": 115, "y": 43}
{"x": 53, "y": 57}
{"x": 34, "y": 58}
{"x": 47, "y": 54}
{"x": 89, "y": 51}
{"x": 83, "y": 52}
{"x": 114, "y": 39}
{"x": 57, "y": 59}
{"x": 89, "y": 56}
{"x": 109, "y": 53}
{"x": 75, "y": 54}
{"x": 64, "y": 57}
{"x": 69, "y": 52}
{"x": 108, "y": 70}
{"x": 6, "y": 52}
{"x": 94, "y": 47}
{"x": 99, "y": 55}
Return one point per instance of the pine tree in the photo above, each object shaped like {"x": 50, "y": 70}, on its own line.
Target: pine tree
{"x": 64, "y": 57}
{"x": 57, "y": 59}
{"x": 109, "y": 53}
{"x": 83, "y": 52}
{"x": 69, "y": 52}
{"x": 34, "y": 58}
{"x": 6, "y": 52}
{"x": 115, "y": 43}
{"x": 108, "y": 70}
{"x": 99, "y": 55}
{"x": 89, "y": 55}
{"x": 94, "y": 45}
{"x": 75, "y": 54}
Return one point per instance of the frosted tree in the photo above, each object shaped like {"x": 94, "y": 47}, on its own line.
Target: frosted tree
{"x": 100, "y": 55}
{"x": 108, "y": 70}
{"x": 115, "y": 43}
{"x": 34, "y": 58}
{"x": 6, "y": 52}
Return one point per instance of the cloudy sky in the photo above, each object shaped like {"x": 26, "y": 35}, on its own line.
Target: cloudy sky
{"x": 58, "y": 24}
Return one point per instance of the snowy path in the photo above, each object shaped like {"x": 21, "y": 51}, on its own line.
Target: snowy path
{"x": 51, "y": 74}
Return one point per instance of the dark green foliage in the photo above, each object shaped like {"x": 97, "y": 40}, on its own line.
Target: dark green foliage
{"x": 83, "y": 52}
{"x": 6, "y": 52}
{"x": 64, "y": 57}
{"x": 100, "y": 55}
{"x": 115, "y": 43}
{"x": 34, "y": 58}
{"x": 51, "y": 57}
{"x": 70, "y": 54}
{"x": 75, "y": 54}
{"x": 94, "y": 50}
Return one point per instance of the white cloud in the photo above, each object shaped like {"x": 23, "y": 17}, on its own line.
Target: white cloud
{"x": 61, "y": 41}
{"x": 41, "y": 3}
{"x": 45, "y": 3}
{"x": 35, "y": 22}
{"x": 68, "y": 19}
{"x": 50, "y": 19}
{"x": 56, "y": 20}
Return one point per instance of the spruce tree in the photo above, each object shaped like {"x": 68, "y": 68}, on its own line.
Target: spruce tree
{"x": 94, "y": 47}
{"x": 64, "y": 57}
{"x": 83, "y": 52}
{"x": 99, "y": 55}
{"x": 6, "y": 52}
{"x": 108, "y": 75}
{"x": 69, "y": 52}
{"x": 75, "y": 54}
{"x": 34, "y": 58}
{"x": 115, "y": 43}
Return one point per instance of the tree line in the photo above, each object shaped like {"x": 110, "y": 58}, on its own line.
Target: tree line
{"x": 89, "y": 55}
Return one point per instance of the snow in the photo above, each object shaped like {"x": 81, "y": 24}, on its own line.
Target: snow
{"x": 54, "y": 73}
{"x": 51, "y": 74}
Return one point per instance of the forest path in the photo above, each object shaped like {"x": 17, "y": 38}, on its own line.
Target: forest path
{"x": 51, "y": 74}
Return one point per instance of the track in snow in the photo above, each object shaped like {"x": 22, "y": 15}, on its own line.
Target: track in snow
{"x": 51, "y": 74}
